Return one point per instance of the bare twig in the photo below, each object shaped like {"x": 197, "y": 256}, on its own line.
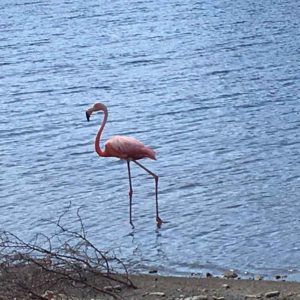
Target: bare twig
{"x": 65, "y": 263}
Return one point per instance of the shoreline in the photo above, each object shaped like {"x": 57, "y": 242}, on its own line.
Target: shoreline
{"x": 156, "y": 286}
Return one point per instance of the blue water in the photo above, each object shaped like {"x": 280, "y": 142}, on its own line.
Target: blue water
{"x": 212, "y": 86}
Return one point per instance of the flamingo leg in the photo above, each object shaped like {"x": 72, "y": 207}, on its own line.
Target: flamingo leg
{"x": 130, "y": 194}
{"x": 158, "y": 219}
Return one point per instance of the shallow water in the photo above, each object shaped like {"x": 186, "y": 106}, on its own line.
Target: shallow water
{"x": 213, "y": 87}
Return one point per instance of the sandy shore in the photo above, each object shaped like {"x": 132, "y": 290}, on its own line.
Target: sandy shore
{"x": 164, "y": 287}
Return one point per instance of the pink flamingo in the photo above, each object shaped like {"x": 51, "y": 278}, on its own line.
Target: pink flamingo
{"x": 127, "y": 148}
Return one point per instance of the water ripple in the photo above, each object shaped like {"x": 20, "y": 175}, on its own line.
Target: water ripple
{"x": 212, "y": 90}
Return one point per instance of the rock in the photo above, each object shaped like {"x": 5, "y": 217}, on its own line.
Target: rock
{"x": 158, "y": 294}
{"x": 280, "y": 277}
{"x": 153, "y": 271}
{"x": 208, "y": 275}
{"x": 272, "y": 294}
{"x": 252, "y": 296}
{"x": 199, "y": 297}
{"x": 49, "y": 295}
{"x": 118, "y": 287}
{"x": 218, "y": 298}
{"x": 258, "y": 277}
{"x": 110, "y": 288}
{"x": 230, "y": 274}
{"x": 225, "y": 286}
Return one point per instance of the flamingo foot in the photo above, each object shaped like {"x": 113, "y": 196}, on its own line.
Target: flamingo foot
{"x": 131, "y": 224}
{"x": 159, "y": 221}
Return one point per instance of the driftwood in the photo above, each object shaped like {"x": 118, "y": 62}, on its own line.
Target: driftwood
{"x": 65, "y": 265}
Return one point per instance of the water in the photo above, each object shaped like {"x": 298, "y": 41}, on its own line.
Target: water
{"x": 212, "y": 86}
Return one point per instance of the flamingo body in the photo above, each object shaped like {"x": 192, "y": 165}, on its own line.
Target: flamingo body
{"x": 126, "y": 147}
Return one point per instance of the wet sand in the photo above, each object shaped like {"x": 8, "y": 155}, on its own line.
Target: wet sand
{"x": 190, "y": 288}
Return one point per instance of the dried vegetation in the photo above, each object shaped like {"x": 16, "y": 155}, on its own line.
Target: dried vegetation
{"x": 64, "y": 265}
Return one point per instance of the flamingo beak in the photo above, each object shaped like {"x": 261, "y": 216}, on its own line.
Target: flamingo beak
{"x": 87, "y": 115}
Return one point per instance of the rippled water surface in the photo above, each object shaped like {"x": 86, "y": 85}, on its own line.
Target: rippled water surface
{"x": 212, "y": 86}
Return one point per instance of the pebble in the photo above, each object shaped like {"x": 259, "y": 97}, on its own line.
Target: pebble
{"x": 199, "y": 297}
{"x": 252, "y": 296}
{"x": 280, "y": 277}
{"x": 110, "y": 288}
{"x": 272, "y": 294}
{"x": 218, "y": 298}
{"x": 195, "y": 274}
{"x": 258, "y": 277}
{"x": 158, "y": 294}
{"x": 225, "y": 286}
{"x": 230, "y": 274}
{"x": 49, "y": 295}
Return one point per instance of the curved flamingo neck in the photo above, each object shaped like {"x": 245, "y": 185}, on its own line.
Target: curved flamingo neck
{"x": 98, "y": 136}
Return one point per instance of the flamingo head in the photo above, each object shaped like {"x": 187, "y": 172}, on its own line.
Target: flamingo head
{"x": 96, "y": 107}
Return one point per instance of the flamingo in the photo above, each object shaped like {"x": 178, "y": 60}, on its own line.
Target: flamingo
{"x": 126, "y": 148}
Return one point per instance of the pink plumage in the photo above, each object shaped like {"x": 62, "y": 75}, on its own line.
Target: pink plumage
{"x": 127, "y": 147}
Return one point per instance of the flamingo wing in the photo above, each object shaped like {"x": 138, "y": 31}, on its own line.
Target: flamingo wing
{"x": 127, "y": 147}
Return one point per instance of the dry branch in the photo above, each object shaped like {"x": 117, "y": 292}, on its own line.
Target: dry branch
{"x": 64, "y": 265}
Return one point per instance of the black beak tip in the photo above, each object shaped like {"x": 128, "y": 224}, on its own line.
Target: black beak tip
{"x": 87, "y": 116}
